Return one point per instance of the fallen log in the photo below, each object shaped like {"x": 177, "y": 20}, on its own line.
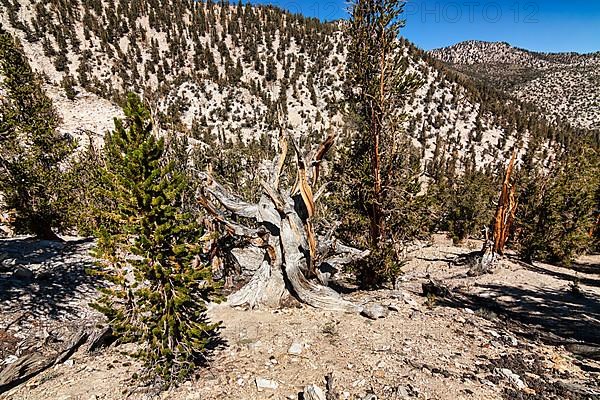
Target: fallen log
{"x": 30, "y": 365}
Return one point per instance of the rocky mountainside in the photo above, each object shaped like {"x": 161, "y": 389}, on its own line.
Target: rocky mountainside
{"x": 223, "y": 71}
{"x": 565, "y": 85}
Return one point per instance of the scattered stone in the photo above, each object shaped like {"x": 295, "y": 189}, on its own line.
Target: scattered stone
{"x": 510, "y": 340}
{"x": 402, "y": 392}
{"x": 435, "y": 288}
{"x": 313, "y": 392}
{"x": 375, "y": 311}
{"x": 266, "y": 384}
{"x": 296, "y": 349}
{"x": 514, "y": 379}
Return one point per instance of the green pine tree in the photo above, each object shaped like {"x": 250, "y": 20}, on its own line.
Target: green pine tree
{"x": 150, "y": 247}
{"x": 557, "y": 210}
{"x": 379, "y": 177}
{"x": 33, "y": 155}
{"x": 470, "y": 205}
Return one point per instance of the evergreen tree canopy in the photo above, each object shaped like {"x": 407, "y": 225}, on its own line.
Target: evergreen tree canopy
{"x": 558, "y": 209}
{"x": 34, "y": 155}
{"x": 151, "y": 247}
{"x": 379, "y": 179}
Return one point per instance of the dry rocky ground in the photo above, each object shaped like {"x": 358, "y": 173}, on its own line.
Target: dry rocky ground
{"x": 524, "y": 332}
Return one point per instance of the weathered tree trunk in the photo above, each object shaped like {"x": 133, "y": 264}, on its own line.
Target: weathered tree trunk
{"x": 28, "y": 366}
{"x": 284, "y": 253}
{"x": 493, "y": 249}
{"x": 505, "y": 213}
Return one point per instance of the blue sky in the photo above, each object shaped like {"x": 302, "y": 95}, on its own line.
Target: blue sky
{"x": 542, "y": 25}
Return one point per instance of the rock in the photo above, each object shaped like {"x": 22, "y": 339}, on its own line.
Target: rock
{"x": 435, "y": 288}
{"x": 22, "y": 273}
{"x": 510, "y": 340}
{"x": 296, "y": 349}
{"x": 514, "y": 379}
{"x": 313, "y": 392}
{"x": 375, "y": 311}
{"x": 409, "y": 300}
{"x": 402, "y": 392}
{"x": 493, "y": 333}
{"x": 370, "y": 396}
{"x": 6, "y": 264}
{"x": 10, "y": 359}
{"x": 394, "y": 307}
{"x": 254, "y": 346}
{"x": 266, "y": 384}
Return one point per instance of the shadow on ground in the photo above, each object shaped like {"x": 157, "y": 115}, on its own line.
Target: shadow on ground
{"x": 554, "y": 316}
{"x": 59, "y": 283}
{"x": 569, "y": 274}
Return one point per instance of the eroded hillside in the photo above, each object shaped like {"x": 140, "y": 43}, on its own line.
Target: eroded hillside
{"x": 224, "y": 70}
{"x": 564, "y": 85}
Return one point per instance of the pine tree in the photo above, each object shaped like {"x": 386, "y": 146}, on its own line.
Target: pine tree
{"x": 557, "y": 210}
{"x": 162, "y": 303}
{"x": 68, "y": 84}
{"x": 470, "y": 205}
{"x": 34, "y": 155}
{"x": 378, "y": 167}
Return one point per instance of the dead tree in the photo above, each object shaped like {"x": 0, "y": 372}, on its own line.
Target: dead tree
{"x": 493, "y": 248}
{"x": 285, "y": 254}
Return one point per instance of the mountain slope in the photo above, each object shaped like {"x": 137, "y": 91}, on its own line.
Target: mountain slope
{"x": 566, "y": 85}
{"x": 224, "y": 70}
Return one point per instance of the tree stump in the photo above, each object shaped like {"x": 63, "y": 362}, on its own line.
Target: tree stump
{"x": 283, "y": 252}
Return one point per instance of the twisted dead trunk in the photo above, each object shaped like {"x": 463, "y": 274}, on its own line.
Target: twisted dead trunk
{"x": 493, "y": 249}
{"x": 284, "y": 254}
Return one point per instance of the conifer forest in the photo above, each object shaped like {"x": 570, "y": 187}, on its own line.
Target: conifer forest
{"x": 210, "y": 200}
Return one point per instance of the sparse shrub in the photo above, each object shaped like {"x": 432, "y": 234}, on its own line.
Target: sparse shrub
{"x": 68, "y": 84}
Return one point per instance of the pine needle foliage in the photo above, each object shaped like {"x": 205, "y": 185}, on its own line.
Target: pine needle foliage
{"x": 470, "y": 205}
{"x": 557, "y": 208}
{"x": 33, "y": 154}
{"x": 150, "y": 248}
{"x": 380, "y": 175}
